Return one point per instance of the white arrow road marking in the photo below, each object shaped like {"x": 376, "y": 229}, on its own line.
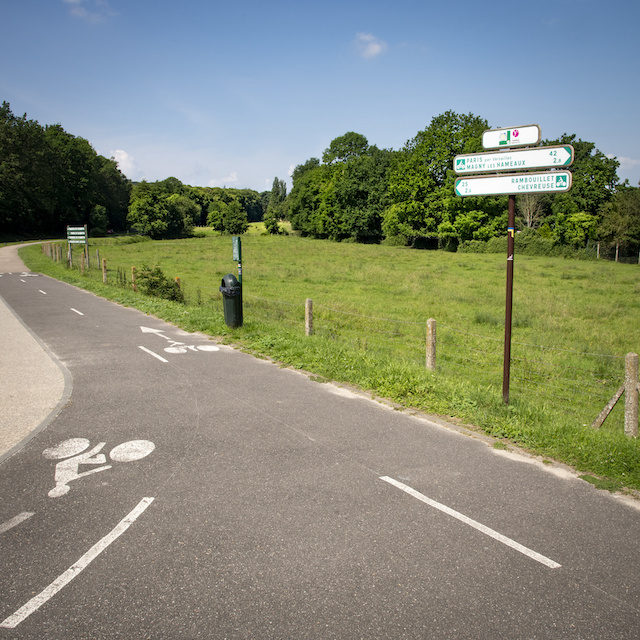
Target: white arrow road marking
{"x": 155, "y": 355}
{"x": 14, "y": 522}
{"x": 44, "y": 596}
{"x": 158, "y": 332}
{"x": 472, "y": 523}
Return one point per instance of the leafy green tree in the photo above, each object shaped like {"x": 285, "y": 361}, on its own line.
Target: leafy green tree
{"x": 360, "y": 195}
{"x": 343, "y": 148}
{"x": 342, "y": 199}
{"x": 215, "y": 217}
{"x": 25, "y": 199}
{"x": 301, "y": 169}
{"x": 421, "y": 186}
{"x": 595, "y": 176}
{"x": 306, "y": 199}
{"x": 620, "y": 224}
{"x": 235, "y": 219}
{"x": 50, "y": 178}
{"x": 113, "y": 192}
{"x": 98, "y": 221}
{"x": 252, "y": 204}
{"x": 580, "y": 228}
{"x": 163, "y": 209}
{"x": 276, "y": 206}
{"x": 182, "y": 214}
{"x": 148, "y": 213}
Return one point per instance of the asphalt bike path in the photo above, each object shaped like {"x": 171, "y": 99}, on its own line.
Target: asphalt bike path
{"x": 188, "y": 490}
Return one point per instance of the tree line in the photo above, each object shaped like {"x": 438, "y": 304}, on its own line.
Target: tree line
{"x": 360, "y": 193}
{"x": 50, "y": 178}
{"x": 169, "y": 208}
{"x": 355, "y": 193}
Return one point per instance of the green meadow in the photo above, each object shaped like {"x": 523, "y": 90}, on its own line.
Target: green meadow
{"x": 573, "y": 323}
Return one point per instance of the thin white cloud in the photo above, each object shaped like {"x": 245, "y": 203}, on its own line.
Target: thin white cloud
{"x": 232, "y": 178}
{"x": 92, "y": 11}
{"x": 127, "y": 164}
{"x": 627, "y": 163}
{"x": 368, "y": 46}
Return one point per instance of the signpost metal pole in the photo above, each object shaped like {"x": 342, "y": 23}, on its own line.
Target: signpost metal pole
{"x": 509, "y": 303}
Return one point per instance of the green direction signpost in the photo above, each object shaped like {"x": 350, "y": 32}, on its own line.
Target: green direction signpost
{"x": 77, "y": 235}
{"x": 514, "y": 183}
{"x": 518, "y": 159}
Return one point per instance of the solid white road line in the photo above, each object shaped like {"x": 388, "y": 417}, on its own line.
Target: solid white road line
{"x": 76, "y": 311}
{"x": 472, "y": 523}
{"x": 44, "y": 293}
{"x": 37, "y": 601}
{"x": 14, "y": 522}
{"x": 155, "y": 355}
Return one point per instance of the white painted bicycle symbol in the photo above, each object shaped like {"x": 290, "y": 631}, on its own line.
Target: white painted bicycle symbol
{"x": 73, "y": 453}
{"x": 179, "y": 347}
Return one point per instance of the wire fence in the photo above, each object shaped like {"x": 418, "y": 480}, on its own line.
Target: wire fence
{"x": 576, "y": 383}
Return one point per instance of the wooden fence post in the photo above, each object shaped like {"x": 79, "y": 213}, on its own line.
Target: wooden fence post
{"x": 631, "y": 395}
{"x": 308, "y": 317}
{"x": 431, "y": 344}
{"x": 133, "y": 279}
{"x": 104, "y": 270}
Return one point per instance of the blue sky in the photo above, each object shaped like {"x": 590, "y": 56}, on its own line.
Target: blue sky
{"x": 236, "y": 93}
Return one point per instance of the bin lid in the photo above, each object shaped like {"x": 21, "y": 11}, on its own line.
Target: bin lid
{"x": 230, "y": 281}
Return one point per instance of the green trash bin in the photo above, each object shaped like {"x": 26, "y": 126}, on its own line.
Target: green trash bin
{"x": 231, "y": 291}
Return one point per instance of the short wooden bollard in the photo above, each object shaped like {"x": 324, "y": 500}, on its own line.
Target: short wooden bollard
{"x": 431, "y": 344}
{"x": 631, "y": 395}
{"x": 104, "y": 270}
{"x": 308, "y": 317}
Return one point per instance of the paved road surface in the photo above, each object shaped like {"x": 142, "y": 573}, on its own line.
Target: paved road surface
{"x": 187, "y": 490}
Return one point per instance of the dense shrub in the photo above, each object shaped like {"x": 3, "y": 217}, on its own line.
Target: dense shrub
{"x": 154, "y": 282}
{"x": 529, "y": 243}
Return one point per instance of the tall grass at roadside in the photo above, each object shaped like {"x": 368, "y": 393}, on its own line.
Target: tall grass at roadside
{"x": 573, "y": 323}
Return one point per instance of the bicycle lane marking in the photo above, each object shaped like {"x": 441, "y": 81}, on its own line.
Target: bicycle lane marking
{"x": 155, "y": 355}
{"x": 64, "y": 579}
{"x": 534, "y": 555}
{"x": 15, "y": 521}
{"x": 175, "y": 346}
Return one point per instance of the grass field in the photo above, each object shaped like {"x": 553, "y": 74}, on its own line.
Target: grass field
{"x": 574, "y": 322}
